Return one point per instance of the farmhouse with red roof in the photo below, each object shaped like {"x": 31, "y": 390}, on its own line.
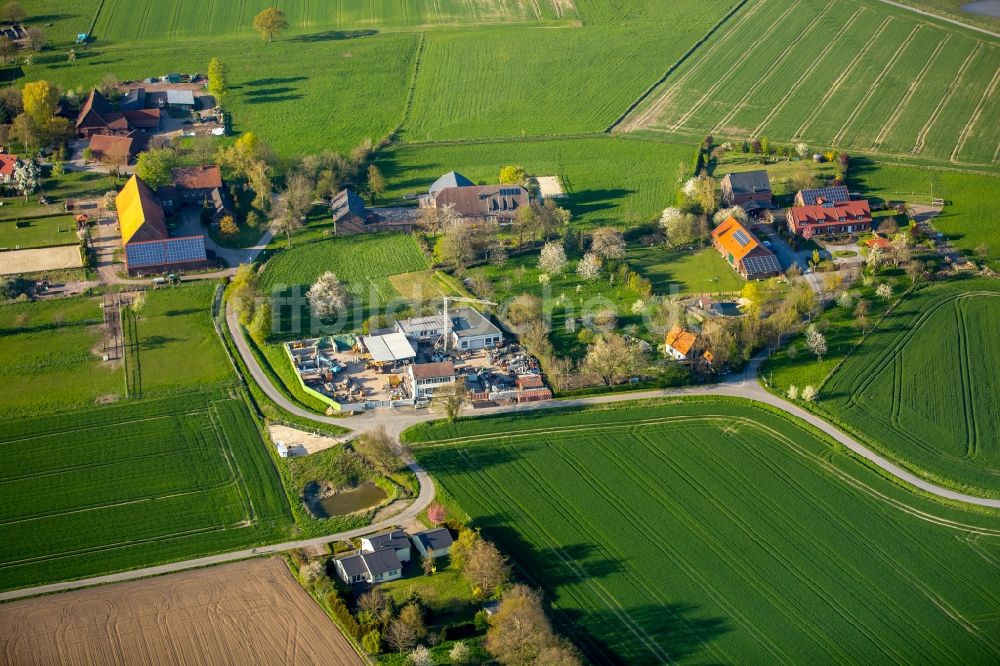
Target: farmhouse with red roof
{"x": 741, "y": 250}
{"x": 827, "y": 219}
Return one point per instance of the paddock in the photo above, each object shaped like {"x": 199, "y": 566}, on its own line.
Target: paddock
{"x": 40, "y": 259}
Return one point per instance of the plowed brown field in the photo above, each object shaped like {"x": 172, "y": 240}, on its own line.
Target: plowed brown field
{"x": 251, "y": 612}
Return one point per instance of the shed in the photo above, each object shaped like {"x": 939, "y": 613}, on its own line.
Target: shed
{"x": 181, "y": 98}
{"x": 388, "y": 348}
{"x": 433, "y": 543}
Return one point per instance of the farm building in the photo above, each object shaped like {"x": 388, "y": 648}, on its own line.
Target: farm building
{"x": 117, "y": 149}
{"x": 469, "y": 329}
{"x": 147, "y": 244}
{"x": 739, "y": 189}
{"x": 491, "y": 203}
{"x": 743, "y": 251}
{"x": 351, "y": 216}
{"x": 423, "y": 379}
{"x": 99, "y": 116}
{"x": 197, "y": 186}
{"x": 829, "y": 219}
{"x": 7, "y": 164}
{"x": 680, "y": 343}
{"x": 837, "y": 194}
{"x": 396, "y": 540}
{"x": 433, "y": 543}
{"x": 374, "y": 567}
{"x": 388, "y": 349}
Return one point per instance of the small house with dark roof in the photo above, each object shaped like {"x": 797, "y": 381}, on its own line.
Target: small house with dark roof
{"x": 350, "y": 216}
{"x": 397, "y": 540}
{"x": 741, "y": 188}
{"x": 741, "y": 250}
{"x": 433, "y": 543}
{"x": 835, "y": 195}
{"x": 374, "y": 567}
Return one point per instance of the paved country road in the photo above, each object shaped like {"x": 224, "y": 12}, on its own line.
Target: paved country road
{"x": 744, "y": 385}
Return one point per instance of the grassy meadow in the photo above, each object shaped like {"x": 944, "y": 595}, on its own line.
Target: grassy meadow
{"x": 715, "y": 531}
{"x": 38, "y": 232}
{"x": 134, "y": 484}
{"x": 877, "y": 79}
{"x": 922, "y": 388}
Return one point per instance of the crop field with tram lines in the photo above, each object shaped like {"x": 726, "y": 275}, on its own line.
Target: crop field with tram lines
{"x": 710, "y": 530}
{"x": 924, "y": 387}
{"x": 852, "y": 75}
{"x": 133, "y": 484}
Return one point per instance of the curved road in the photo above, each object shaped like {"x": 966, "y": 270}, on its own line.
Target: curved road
{"x": 744, "y": 386}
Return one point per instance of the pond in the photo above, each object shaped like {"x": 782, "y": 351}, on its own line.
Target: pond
{"x": 983, "y": 7}
{"x": 365, "y": 496}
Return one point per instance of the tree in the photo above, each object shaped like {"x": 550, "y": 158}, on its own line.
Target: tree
{"x": 400, "y": 636}
{"x": 861, "y": 316}
{"x": 523, "y": 309}
{"x": 26, "y": 131}
{"x": 12, "y": 12}
{"x": 244, "y": 153}
{"x": 519, "y": 632}
{"x": 792, "y": 392}
{"x": 464, "y": 242}
{"x": 270, "y": 23}
{"x": 259, "y": 177}
{"x": 71, "y": 56}
{"x": 244, "y": 292}
{"x": 459, "y": 654}
{"x": 589, "y": 267}
{"x": 420, "y": 656}
{"x": 327, "y": 296}
{"x": 612, "y": 359}
{"x": 380, "y": 449}
{"x": 608, "y": 243}
{"x": 884, "y": 291}
{"x": 154, "y": 166}
{"x": 372, "y": 642}
{"x": 436, "y": 513}
{"x": 376, "y": 183}
{"x": 916, "y": 271}
{"x": 35, "y": 38}
{"x": 680, "y": 227}
{"x": 874, "y": 259}
{"x": 26, "y": 176}
{"x": 260, "y": 325}
{"x": 227, "y": 226}
{"x": 486, "y": 567}
{"x": 450, "y": 399}
{"x": 512, "y": 175}
{"x": 734, "y": 211}
{"x": 41, "y": 100}
{"x": 816, "y": 342}
{"x": 552, "y": 258}
{"x": 414, "y": 618}
{"x": 7, "y": 49}
{"x": 218, "y": 83}
{"x": 809, "y": 393}
{"x": 802, "y": 149}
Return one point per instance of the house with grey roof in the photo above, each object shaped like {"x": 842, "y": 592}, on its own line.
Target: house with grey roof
{"x": 397, "y": 540}
{"x": 433, "y": 543}
{"x": 491, "y": 203}
{"x": 375, "y": 567}
{"x": 739, "y": 189}
{"x": 469, "y": 329}
{"x": 449, "y": 180}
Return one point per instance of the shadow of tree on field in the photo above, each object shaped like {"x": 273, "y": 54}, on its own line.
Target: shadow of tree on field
{"x": 446, "y": 461}
{"x": 335, "y": 35}
{"x": 592, "y": 201}
{"x": 156, "y": 342}
{"x": 271, "y": 81}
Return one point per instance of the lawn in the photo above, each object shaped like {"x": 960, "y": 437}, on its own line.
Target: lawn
{"x": 607, "y": 180}
{"x": 677, "y": 272}
{"x": 363, "y": 264}
{"x": 923, "y": 388}
{"x": 135, "y": 484}
{"x": 57, "y": 190}
{"x": 714, "y": 531}
{"x": 880, "y": 79}
{"x": 38, "y": 232}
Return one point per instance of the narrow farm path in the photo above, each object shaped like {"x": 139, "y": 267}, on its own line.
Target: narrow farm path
{"x": 744, "y": 385}
{"x": 967, "y": 26}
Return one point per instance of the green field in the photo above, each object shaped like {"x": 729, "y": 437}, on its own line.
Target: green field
{"x": 855, "y": 76}
{"x": 712, "y": 531}
{"x": 38, "y": 232}
{"x": 923, "y": 388}
{"x": 132, "y": 485}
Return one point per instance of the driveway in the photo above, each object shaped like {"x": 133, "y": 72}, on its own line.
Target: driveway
{"x": 190, "y": 225}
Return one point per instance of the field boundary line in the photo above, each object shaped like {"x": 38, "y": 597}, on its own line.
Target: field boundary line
{"x": 940, "y": 17}
{"x": 918, "y": 146}
{"x": 875, "y": 84}
{"x": 721, "y": 81}
{"x": 987, "y": 94}
{"x": 643, "y": 120}
{"x": 772, "y": 68}
{"x": 776, "y": 109}
{"x": 844, "y": 75}
{"x": 903, "y": 103}
{"x": 101, "y": 426}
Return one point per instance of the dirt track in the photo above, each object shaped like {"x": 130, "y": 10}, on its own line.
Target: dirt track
{"x": 242, "y": 613}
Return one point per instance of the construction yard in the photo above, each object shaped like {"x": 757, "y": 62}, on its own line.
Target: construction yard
{"x": 247, "y": 612}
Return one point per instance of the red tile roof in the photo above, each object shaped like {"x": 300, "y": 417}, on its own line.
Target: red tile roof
{"x": 680, "y": 339}
{"x": 198, "y": 177}
{"x": 7, "y": 164}
{"x": 433, "y": 370}
{"x": 852, "y": 211}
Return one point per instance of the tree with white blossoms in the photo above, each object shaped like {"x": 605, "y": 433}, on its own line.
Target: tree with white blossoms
{"x": 544, "y": 279}
{"x": 690, "y": 188}
{"x": 809, "y": 393}
{"x": 792, "y": 392}
{"x": 884, "y": 291}
{"x": 552, "y": 258}
{"x": 608, "y": 243}
{"x": 845, "y": 300}
{"x": 459, "y": 654}
{"x": 874, "y": 259}
{"x": 680, "y": 227}
{"x": 327, "y": 296}
{"x": 589, "y": 267}
{"x": 802, "y": 149}
{"x": 421, "y": 656}
{"x": 816, "y": 342}
{"x": 638, "y": 306}
{"x": 724, "y": 214}
{"x": 26, "y": 175}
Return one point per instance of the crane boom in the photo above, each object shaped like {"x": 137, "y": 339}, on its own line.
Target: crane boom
{"x": 447, "y": 319}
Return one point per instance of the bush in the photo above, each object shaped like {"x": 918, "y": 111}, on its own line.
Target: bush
{"x": 372, "y": 642}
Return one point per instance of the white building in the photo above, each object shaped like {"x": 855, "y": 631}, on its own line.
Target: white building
{"x": 397, "y": 540}
{"x": 469, "y": 329}
{"x": 426, "y": 378}
{"x": 433, "y": 543}
{"x": 378, "y": 567}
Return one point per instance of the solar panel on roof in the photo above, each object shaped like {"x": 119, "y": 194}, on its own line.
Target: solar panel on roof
{"x": 165, "y": 252}
{"x": 741, "y": 237}
{"x": 837, "y": 194}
